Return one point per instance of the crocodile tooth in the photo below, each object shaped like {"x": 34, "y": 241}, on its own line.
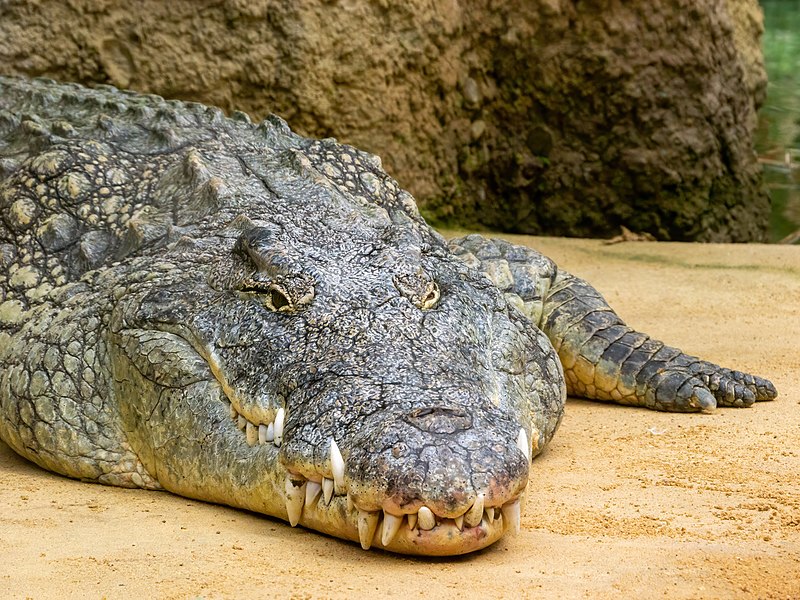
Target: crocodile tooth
{"x": 474, "y": 515}
{"x": 327, "y": 489}
{"x": 313, "y": 490}
{"x": 367, "y": 524}
{"x": 459, "y": 520}
{"x": 391, "y": 525}
{"x": 412, "y": 520}
{"x": 234, "y": 414}
{"x": 252, "y": 434}
{"x": 279, "y": 418}
{"x": 490, "y": 514}
{"x": 241, "y": 422}
{"x": 350, "y": 503}
{"x": 262, "y": 434}
{"x": 523, "y": 445}
{"x": 425, "y": 518}
{"x": 511, "y": 516}
{"x": 337, "y": 466}
{"x": 295, "y": 497}
{"x": 271, "y": 432}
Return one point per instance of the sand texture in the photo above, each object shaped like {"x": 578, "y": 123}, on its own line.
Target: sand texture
{"x": 626, "y": 503}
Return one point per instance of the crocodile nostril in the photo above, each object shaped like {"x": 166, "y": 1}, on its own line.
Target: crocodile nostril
{"x": 439, "y": 419}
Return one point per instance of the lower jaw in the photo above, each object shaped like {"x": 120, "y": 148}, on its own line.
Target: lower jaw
{"x": 340, "y": 519}
{"x": 445, "y": 539}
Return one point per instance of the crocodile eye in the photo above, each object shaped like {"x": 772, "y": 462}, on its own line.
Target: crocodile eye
{"x": 422, "y": 291}
{"x": 271, "y": 295}
{"x": 287, "y": 295}
{"x": 278, "y": 300}
{"x": 430, "y": 300}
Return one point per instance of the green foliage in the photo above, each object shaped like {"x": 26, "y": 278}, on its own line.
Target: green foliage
{"x": 778, "y": 133}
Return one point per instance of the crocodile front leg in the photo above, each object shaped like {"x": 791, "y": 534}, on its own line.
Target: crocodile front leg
{"x": 603, "y": 358}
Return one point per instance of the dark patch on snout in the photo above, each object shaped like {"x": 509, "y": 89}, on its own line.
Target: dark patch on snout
{"x": 439, "y": 419}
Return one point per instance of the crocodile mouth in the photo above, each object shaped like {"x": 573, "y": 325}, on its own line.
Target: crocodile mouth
{"x": 321, "y": 501}
{"x": 319, "y": 496}
{"x": 422, "y": 532}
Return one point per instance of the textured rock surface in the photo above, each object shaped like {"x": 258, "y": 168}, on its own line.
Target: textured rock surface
{"x": 748, "y": 24}
{"x": 546, "y": 116}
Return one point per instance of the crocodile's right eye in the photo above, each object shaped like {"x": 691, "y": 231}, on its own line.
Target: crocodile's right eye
{"x": 280, "y": 298}
{"x": 273, "y": 276}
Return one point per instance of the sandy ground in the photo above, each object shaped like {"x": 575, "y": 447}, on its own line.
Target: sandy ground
{"x": 625, "y": 503}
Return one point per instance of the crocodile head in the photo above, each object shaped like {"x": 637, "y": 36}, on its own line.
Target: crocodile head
{"x": 319, "y": 355}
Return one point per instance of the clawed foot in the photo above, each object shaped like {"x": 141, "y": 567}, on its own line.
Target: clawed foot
{"x": 734, "y": 388}
{"x": 704, "y": 386}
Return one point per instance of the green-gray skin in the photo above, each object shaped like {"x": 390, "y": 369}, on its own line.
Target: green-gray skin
{"x": 238, "y": 314}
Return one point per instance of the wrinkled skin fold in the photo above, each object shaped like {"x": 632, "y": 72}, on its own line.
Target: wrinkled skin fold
{"x": 237, "y": 314}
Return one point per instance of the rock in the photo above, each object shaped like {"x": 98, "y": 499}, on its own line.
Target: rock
{"x": 472, "y": 94}
{"x": 477, "y": 128}
{"x": 594, "y": 116}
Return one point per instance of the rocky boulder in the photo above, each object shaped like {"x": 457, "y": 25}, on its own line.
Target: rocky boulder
{"x": 537, "y": 116}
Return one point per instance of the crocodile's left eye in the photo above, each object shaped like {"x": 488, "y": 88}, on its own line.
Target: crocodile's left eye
{"x": 422, "y": 291}
{"x": 432, "y": 296}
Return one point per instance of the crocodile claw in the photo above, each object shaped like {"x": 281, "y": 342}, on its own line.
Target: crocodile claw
{"x": 703, "y": 400}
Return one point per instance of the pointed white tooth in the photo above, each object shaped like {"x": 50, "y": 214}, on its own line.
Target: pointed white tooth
{"x": 262, "y": 434}
{"x": 295, "y": 497}
{"x": 474, "y": 515}
{"x": 459, "y": 521}
{"x": 234, "y": 414}
{"x": 425, "y": 518}
{"x": 412, "y": 521}
{"x": 391, "y": 526}
{"x": 350, "y": 504}
{"x": 241, "y": 422}
{"x": 279, "y": 418}
{"x": 327, "y": 489}
{"x": 337, "y": 466}
{"x": 313, "y": 490}
{"x": 523, "y": 445}
{"x": 252, "y": 434}
{"x": 511, "y": 516}
{"x": 490, "y": 514}
{"x": 367, "y": 524}
{"x": 271, "y": 432}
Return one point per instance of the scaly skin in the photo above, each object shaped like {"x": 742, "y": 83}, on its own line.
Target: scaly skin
{"x": 234, "y": 313}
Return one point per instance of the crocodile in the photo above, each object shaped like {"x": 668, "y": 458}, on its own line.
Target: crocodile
{"x": 230, "y": 311}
